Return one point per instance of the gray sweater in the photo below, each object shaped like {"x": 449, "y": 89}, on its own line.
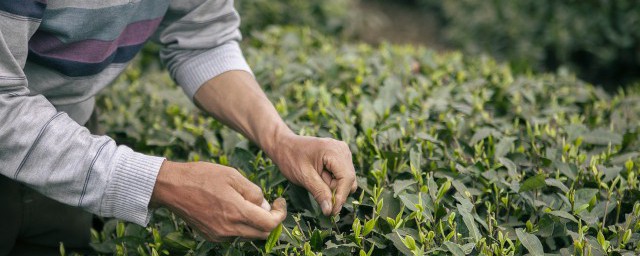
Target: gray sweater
{"x": 56, "y": 55}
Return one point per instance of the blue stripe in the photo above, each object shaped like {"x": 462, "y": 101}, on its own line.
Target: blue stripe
{"x": 26, "y": 8}
{"x": 78, "y": 69}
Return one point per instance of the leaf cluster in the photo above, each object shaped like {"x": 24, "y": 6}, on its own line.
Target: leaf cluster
{"x": 454, "y": 155}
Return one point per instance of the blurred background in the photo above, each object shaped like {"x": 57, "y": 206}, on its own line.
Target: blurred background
{"x": 599, "y": 40}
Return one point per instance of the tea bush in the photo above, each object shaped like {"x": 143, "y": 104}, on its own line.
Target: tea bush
{"x": 328, "y": 16}
{"x": 454, "y": 155}
{"x": 598, "y": 39}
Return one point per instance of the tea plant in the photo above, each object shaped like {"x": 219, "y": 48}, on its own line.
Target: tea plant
{"x": 597, "y": 39}
{"x": 454, "y": 155}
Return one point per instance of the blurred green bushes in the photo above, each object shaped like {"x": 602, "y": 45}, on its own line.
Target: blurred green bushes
{"x": 327, "y": 16}
{"x": 330, "y": 17}
{"x": 598, "y": 39}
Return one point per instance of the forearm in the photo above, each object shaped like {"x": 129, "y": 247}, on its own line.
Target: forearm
{"x": 236, "y": 99}
{"x": 54, "y": 155}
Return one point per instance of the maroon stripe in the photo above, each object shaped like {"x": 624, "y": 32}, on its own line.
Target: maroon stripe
{"x": 92, "y": 50}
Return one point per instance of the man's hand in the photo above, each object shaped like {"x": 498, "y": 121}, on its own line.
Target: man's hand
{"x": 217, "y": 201}
{"x": 322, "y": 165}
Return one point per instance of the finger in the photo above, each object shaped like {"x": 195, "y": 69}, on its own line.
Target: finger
{"x": 354, "y": 187}
{"x": 320, "y": 191}
{"x": 265, "y": 205}
{"x": 345, "y": 177}
{"x": 328, "y": 179}
{"x": 249, "y": 191}
{"x": 240, "y": 231}
{"x": 249, "y": 232}
{"x": 265, "y": 221}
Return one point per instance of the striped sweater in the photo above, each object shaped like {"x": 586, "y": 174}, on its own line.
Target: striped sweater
{"x": 56, "y": 55}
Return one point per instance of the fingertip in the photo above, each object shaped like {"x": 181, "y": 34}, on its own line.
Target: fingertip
{"x": 280, "y": 208}
{"x": 281, "y": 203}
{"x": 337, "y": 205}
{"x": 326, "y": 207}
{"x": 336, "y": 209}
{"x": 265, "y": 205}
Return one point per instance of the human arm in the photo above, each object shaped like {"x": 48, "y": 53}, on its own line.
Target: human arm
{"x": 48, "y": 151}
{"x": 321, "y": 165}
{"x": 201, "y": 51}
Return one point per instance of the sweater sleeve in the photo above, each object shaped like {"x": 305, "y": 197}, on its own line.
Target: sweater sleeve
{"x": 200, "y": 41}
{"x": 53, "y": 154}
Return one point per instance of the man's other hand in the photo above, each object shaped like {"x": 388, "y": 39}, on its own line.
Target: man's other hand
{"x": 217, "y": 200}
{"x": 322, "y": 165}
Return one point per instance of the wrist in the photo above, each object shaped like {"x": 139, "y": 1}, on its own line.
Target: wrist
{"x": 161, "y": 195}
{"x": 277, "y": 140}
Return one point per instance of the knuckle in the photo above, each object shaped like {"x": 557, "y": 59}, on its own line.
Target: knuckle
{"x": 331, "y": 156}
{"x": 351, "y": 177}
{"x": 227, "y": 233}
{"x": 256, "y": 190}
{"x": 228, "y": 169}
{"x": 316, "y": 192}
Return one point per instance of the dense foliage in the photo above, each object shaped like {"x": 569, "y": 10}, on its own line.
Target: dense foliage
{"x": 327, "y": 16}
{"x": 598, "y": 39}
{"x": 454, "y": 155}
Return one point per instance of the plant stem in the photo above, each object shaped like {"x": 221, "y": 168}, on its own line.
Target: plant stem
{"x": 606, "y": 210}
{"x": 335, "y": 224}
{"x": 301, "y": 231}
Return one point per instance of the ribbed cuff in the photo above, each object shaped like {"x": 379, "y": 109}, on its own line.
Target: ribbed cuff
{"x": 194, "y": 72}
{"x": 129, "y": 191}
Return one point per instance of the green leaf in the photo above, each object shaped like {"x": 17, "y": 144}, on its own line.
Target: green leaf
{"x": 409, "y": 242}
{"x": 316, "y": 240}
{"x": 455, "y": 249}
{"x": 120, "y": 228}
{"x": 584, "y": 196}
{"x": 602, "y": 137}
{"x": 530, "y": 242}
{"x": 356, "y": 227}
{"x": 368, "y": 226}
{"x": 564, "y": 214}
{"x": 179, "y": 241}
{"x": 511, "y": 167}
{"x": 415, "y": 159}
{"x": 468, "y": 220}
{"x": 532, "y": 183}
{"x": 401, "y": 185}
{"x": 398, "y": 243}
{"x": 273, "y": 238}
{"x": 503, "y": 147}
{"x": 481, "y": 134}
{"x": 557, "y": 184}
{"x": 443, "y": 189}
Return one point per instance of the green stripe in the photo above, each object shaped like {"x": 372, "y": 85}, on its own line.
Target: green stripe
{"x": 76, "y": 24}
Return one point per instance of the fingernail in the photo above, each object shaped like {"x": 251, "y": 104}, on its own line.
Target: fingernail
{"x": 326, "y": 207}
{"x": 265, "y": 205}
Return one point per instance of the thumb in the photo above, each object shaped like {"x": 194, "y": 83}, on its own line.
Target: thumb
{"x": 320, "y": 191}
